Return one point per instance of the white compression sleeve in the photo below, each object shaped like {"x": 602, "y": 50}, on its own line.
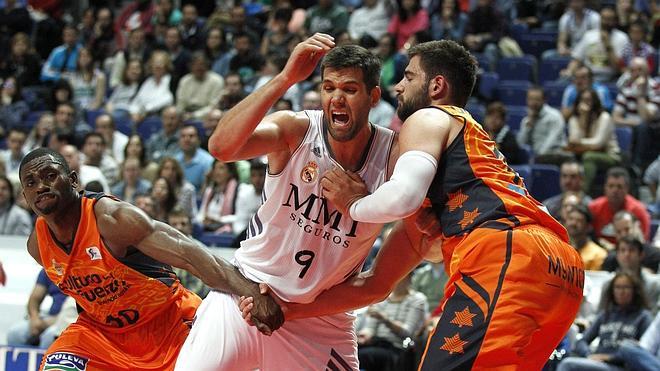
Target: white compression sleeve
{"x": 400, "y": 196}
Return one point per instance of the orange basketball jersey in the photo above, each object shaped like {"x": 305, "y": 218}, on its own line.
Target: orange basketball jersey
{"x": 115, "y": 294}
{"x": 475, "y": 187}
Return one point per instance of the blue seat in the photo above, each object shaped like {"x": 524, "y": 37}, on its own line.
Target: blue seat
{"x": 525, "y": 172}
{"x": 515, "y": 114}
{"x": 487, "y": 84}
{"x": 535, "y": 43}
{"x": 31, "y": 119}
{"x": 477, "y": 110}
{"x": 517, "y": 68}
{"x": 518, "y": 29}
{"x": 545, "y": 183}
{"x": 482, "y": 61}
{"x": 149, "y": 127}
{"x": 526, "y": 154}
{"x": 654, "y": 227}
{"x": 125, "y": 126}
{"x": 513, "y": 93}
{"x": 624, "y": 137}
{"x": 554, "y": 92}
{"x": 217, "y": 239}
{"x": 613, "y": 89}
{"x": 550, "y": 67}
{"x": 92, "y": 115}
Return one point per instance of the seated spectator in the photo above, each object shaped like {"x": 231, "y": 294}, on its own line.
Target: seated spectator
{"x": 430, "y": 280}
{"x": 184, "y": 191}
{"x": 638, "y": 47}
{"x": 13, "y": 155}
{"x": 248, "y": 200}
{"x": 119, "y": 103}
{"x": 88, "y": 82}
{"x": 199, "y": 90}
{"x": 40, "y": 132}
{"x": 137, "y": 49}
{"x": 505, "y": 139}
{"x": 180, "y": 220}
{"x": 135, "y": 16}
{"x": 622, "y": 315}
{"x": 393, "y": 65}
{"x": 371, "y": 19}
{"x": 484, "y": 30}
{"x": 388, "y": 324}
{"x": 277, "y": 36}
{"x": 154, "y": 94}
{"x": 638, "y": 100}
{"x": 135, "y": 149}
{"x": 216, "y": 45}
{"x": 234, "y": 91}
{"x": 573, "y": 24}
{"x": 571, "y": 179}
{"x": 61, "y": 91}
{"x": 166, "y": 13}
{"x": 15, "y": 221}
{"x": 165, "y": 142}
{"x": 591, "y": 137}
{"x": 578, "y": 226}
{"x": 449, "y": 23}
{"x": 617, "y": 198}
{"x": 568, "y": 202}
{"x": 652, "y": 179}
{"x": 146, "y": 204}
{"x": 115, "y": 140}
{"x": 191, "y": 28}
{"x": 409, "y": 18}
{"x": 179, "y": 56}
{"x": 274, "y": 65}
{"x": 94, "y": 149}
{"x": 246, "y": 60}
{"x": 219, "y": 198}
{"x": 543, "y": 129}
{"x": 164, "y": 199}
{"x": 37, "y": 329}
{"x": 86, "y": 174}
{"x": 66, "y": 119}
{"x": 328, "y": 16}
{"x": 626, "y": 225}
{"x": 583, "y": 80}
{"x": 22, "y": 62}
{"x": 131, "y": 184}
{"x": 13, "y": 109}
{"x": 195, "y": 161}
{"x": 102, "y": 39}
{"x": 210, "y": 122}
{"x": 62, "y": 60}
{"x": 311, "y": 100}
{"x": 645, "y": 355}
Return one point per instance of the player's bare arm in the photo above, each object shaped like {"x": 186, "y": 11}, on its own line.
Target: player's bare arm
{"x": 33, "y": 247}
{"x": 124, "y": 225}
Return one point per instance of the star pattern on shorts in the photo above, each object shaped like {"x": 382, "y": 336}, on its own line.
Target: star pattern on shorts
{"x": 456, "y": 200}
{"x": 463, "y": 318}
{"x": 468, "y": 218}
{"x": 453, "y": 344}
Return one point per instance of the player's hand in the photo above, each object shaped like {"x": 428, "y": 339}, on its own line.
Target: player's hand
{"x": 343, "y": 188}
{"x": 3, "y": 276}
{"x": 306, "y": 55}
{"x": 248, "y": 307}
{"x": 426, "y": 221}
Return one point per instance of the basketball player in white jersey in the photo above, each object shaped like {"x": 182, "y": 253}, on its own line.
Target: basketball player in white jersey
{"x": 298, "y": 243}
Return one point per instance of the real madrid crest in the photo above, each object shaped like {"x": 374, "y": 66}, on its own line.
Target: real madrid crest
{"x": 310, "y": 172}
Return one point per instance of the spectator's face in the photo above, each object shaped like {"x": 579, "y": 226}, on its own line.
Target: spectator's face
{"x": 93, "y": 148}
{"x": 211, "y": 121}
{"x": 623, "y": 291}
{"x": 69, "y": 36}
{"x": 581, "y": 79}
{"x": 233, "y": 85}
{"x": 104, "y": 19}
{"x": 535, "y": 100}
{"x": 576, "y": 224}
{"x": 64, "y": 116}
{"x": 159, "y": 67}
{"x": 616, "y": 190}
{"x": 214, "y": 39}
{"x": 607, "y": 19}
{"x": 238, "y": 16}
{"x": 15, "y": 142}
{"x": 257, "y": 178}
{"x": 628, "y": 257}
{"x": 45, "y": 125}
{"x": 146, "y": 204}
{"x": 638, "y": 67}
{"x": 72, "y": 156}
{"x": 627, "y": 227}
{"x": 104, "y": 127}
{"x": 9, "y": 87}
{"x": 188, "y": 139}
{"x": 576, "y": 5}
{"x": 567, "y": 204}
{"x": 134, "y": 147}
{"x": 189, "y": 14}
{"x": 570, "y": 178}
{"x": 494, "y": 122}
{"x": 19, "y": 48}
{"x": 136, "y": 39}
{"x": 636, "y": 33}
{"x": 198, "y": 68}
{"x": 242, "y": 45}
{"x": 160, "y": 190}
{"x": 181, "y": 223}
{"x": 131, "y": 170}
{"x": 311, "y": 100}
{"x": 5, "y": 193}
{"x": 168, "y": 172}
{"x": 134, "y": 71}
{"x": 221, "y": 173}
{"x": 170, "y": 120}
{"x": 172, "y": 39}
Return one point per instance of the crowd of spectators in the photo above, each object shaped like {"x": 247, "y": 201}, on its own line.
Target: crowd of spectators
{"x": 130, "y": 91}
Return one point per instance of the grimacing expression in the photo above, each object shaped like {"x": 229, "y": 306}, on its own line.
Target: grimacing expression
{"x": 345, "y": 101}
{"x": 46, "y": 187}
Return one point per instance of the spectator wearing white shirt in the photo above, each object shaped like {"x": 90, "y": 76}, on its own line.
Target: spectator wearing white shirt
{"x": 199, "y": 90}
{"x": 154, "y": 94}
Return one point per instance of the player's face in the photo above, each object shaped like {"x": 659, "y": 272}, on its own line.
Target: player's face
{"x": 345, "y": 101}
{"x": 412, "y": 90}
{"x": 46, "y": 186}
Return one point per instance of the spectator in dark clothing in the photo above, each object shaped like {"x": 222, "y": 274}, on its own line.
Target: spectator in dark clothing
{"x": 179, "y": 56}
{"x": 102, "y": 39}
{"x": 14, "y": 18}
{"x": 13, "y": 108}
{"x": 234, "y": 92}
{"x": 484, "y": 29}
{"x": 501, "y": 134}
{"x": 247, "y": 61}
{"x": 192, "y": 28}
{"x": 21, "y": 61}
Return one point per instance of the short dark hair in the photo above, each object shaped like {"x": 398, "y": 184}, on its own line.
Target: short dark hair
{"x": 496, "y": 108}
{"x": 93, "y": 134}
{"x": 618, "y": 172}
{"x": 41, "y": 152}
{"x": 584, "y": 210}
{"x": 354, "y": 56}
{"x": 639, "y": 301}
{"x": 4, "y": 178}
{"x": 452, "y": 61}
{"x": 631, "y": 241}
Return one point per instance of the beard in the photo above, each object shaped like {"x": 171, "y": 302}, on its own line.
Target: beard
{"x": 419, "y": 99}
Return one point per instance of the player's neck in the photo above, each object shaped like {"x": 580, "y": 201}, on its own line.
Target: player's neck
{"x": 64, "y": 223}
{"x": 351, "y": 153}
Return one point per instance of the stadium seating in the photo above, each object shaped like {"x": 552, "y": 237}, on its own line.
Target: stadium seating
{"x": 517, "y": 68}
{"x": 525, "y": 172}
{"x": 513, "y": 93}
{"x": 554, "y": 91}
{"x": 487, "y": 84}
{"x": 149, "y": 127}
{"x": 624, "y": 137}
{"x": 535, "y": 43}
{"x": 545, "y": 181}
{"x": 515, "y": 114}
{"x": 549, "y": 68}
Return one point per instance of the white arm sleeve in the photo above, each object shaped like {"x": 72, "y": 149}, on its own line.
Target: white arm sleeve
{"x": 402, "y": 195}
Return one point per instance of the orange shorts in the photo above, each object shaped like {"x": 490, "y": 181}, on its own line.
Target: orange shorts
{"x": 153, "y": 345}
{"x": 510, "y": 299}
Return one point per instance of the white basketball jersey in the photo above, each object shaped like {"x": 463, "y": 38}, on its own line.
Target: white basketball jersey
{"x": 298, "y": 243}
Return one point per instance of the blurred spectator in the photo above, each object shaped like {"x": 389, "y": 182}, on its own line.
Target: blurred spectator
{"x": 88, "y": 82}
{"x": 591, "y": 137}
{"x": 234, "y": 92}
{"x": 430, "y": 280}
{"x": 409, "y": 18}
{"x": 622, "y": 316}
{"x": 102, "y": 39}
{"x": 239, "y": 23}
{"x": 14, "y": 220}
{"x": 573, "y": 24}
{"x": 131, "y": 183}
{"x": 283, "y": 104}
{"x": 192, "y": 28}
{"x": 601, "y": 49}
{"x": 137, "y": 15}
{"x": 578, "y": 225}
{"x": 154, "y": 93}
{"x": 37, "y": 329}
{"x": 388, "y": 324}
{"x": 394, "y": 63}
{"x": 165, "y": 13}
{"x": 645, "y": 355}
{"x": 500, "y": 133}
{"x": 210, "y": 122}
{"x": 40, "y": 132}
{"x": 180, "y": 220}
{"x": 311, "y": 100}
{"x": 616, "y": 198}
{"x": 277, "y": 36}
{"x": 571, "y": 179}
{"x": 543, "y": 129}
{"x": 626, "y": 225}
{"x": 328, "y": 16}
{"x": 183, "y": 190}
{"x": 13, "y": 109}
{"x": 58, "y": 138}
{"x": 216, "y": 45}
{"x": 486, "y": 25}
{"x": 249, "y": 198}
{"x": 639, "y": 96}
{"x": 164, "y": 199}
{"x": 119, "y": 103}
{"x": 652, "y": 180}
{"x": 94, "y": 149}
{"x": 21, "y": 62}
{"x": 179, "y": 56}
{"x": 165, "y": 142}
{"x": 86, "y": 174}
{"x": 137, "y": 49}
{"x": 530, "y": 13}
{"x": 627, "y": 13}
{"x": 449, "y": 22}
{"x": 199, "y": 90}
{"x": 583, "y": 80}
{"x": 14, "y": 18}
{"x": 135, "y": 149}
{"x": 115, "y": 141}
{"x": 372, "y": 19}
{"x": 146, "y": 204}
{"x": 568, "y": 202}
{"x": 219, "y": 198}
{"x": 274, "y": 65}
{"x": 195, "y": 161}
{"x": 62, "y": 59}
{"x": 15, "y": 151}
{"x": 382, "y": 113}
{"x": 245, "y": 60}
{"x": 638, "y": 47}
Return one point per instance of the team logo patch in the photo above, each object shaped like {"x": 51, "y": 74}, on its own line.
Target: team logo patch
{"x": 94, "y": 253}
{"x": 62, "y": 361}
{"x": 310, "y": 172}
{"x": 59, "y": 269}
